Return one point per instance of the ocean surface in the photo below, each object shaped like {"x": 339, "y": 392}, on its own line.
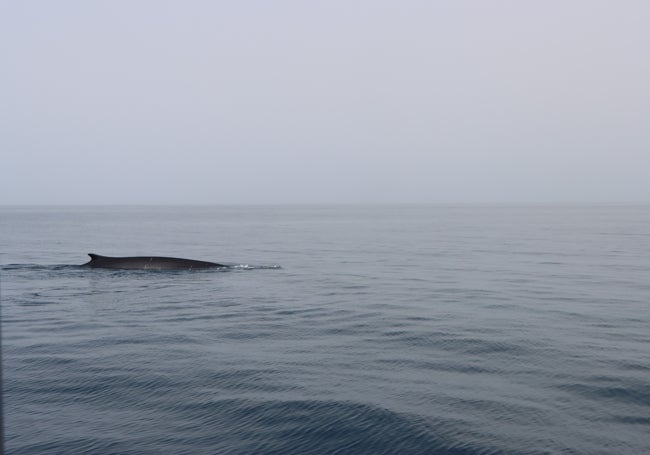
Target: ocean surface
{"x": 384, "y": 330}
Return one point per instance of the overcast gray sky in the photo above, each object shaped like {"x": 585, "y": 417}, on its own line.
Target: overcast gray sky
{"x": 189, "y": 101}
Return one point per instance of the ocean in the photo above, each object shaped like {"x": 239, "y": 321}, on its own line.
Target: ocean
{"x": 338, "y": 330}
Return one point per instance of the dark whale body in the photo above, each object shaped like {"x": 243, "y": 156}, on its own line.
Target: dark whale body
{"x": 148, "y": 263}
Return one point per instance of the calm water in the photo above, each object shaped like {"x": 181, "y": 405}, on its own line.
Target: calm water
{"x": 403, "y": 330}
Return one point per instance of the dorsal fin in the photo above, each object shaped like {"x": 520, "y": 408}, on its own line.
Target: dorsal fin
{"x": 94, "y": 256}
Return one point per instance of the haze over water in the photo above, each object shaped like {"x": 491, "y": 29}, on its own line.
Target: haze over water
{"x": 388, "y": 329}
{"x": 355, "y": 101}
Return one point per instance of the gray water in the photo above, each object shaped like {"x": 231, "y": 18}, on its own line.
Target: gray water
{"x": 404, "y": 329}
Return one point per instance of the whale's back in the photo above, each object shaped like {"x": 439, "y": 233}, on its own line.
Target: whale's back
{"x": 147, "y": 263}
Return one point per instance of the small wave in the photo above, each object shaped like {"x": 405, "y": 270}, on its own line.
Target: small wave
{"x": 253, "y": 267}
{"x": 638, "y": 394}
{"x": 312, "y": 426}
{"x": 39, "y": 267}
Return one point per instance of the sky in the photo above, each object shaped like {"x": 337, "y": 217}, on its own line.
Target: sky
{"x": 354, "y": 101}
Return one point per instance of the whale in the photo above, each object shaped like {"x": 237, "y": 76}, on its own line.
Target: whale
{"x": 148, "y": 263}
